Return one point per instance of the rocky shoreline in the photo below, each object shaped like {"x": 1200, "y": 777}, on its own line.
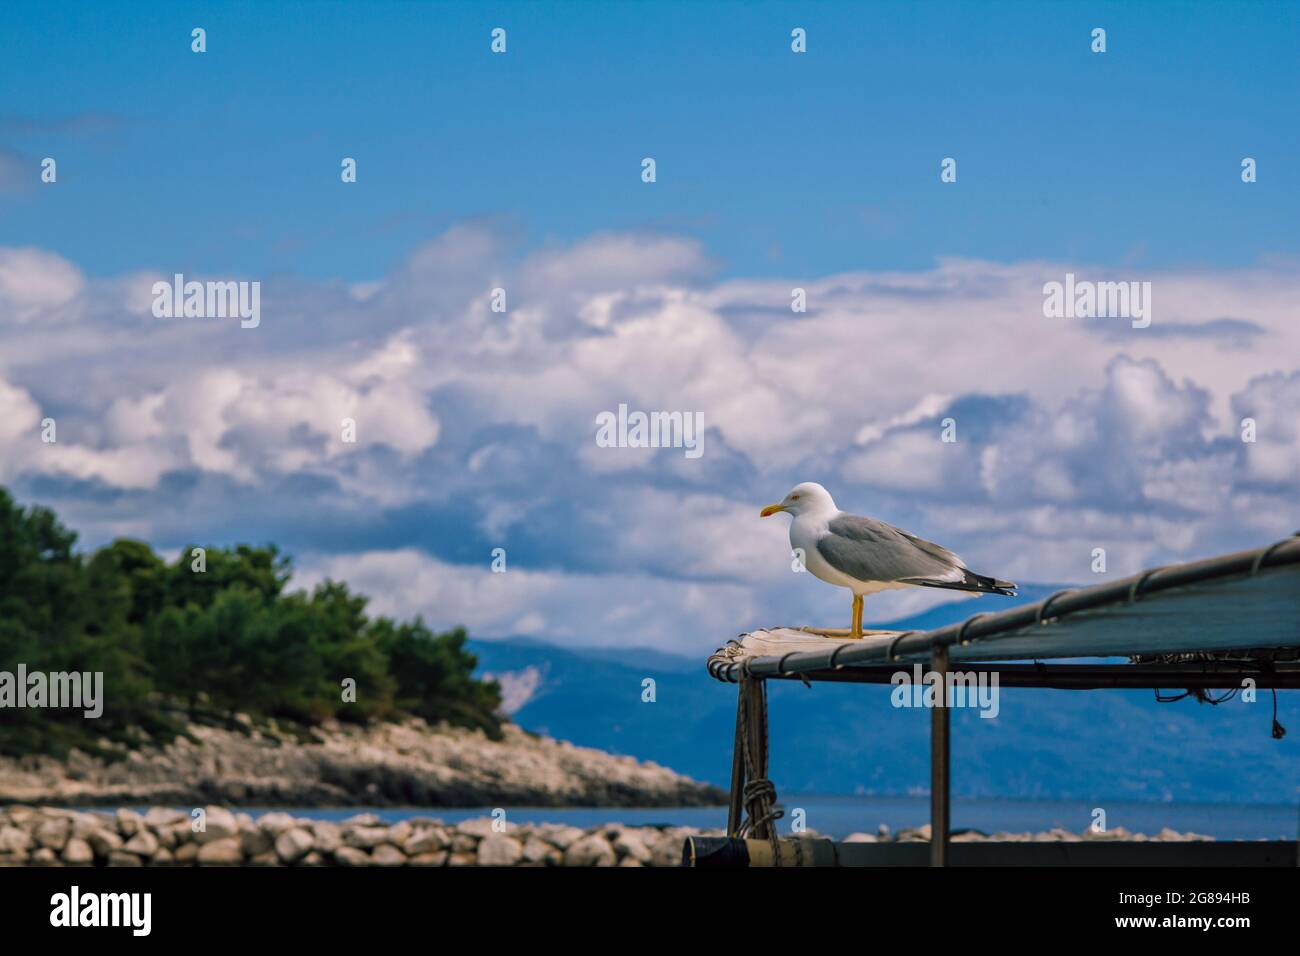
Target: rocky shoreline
{"x": 406, "y": 764}
{"x": 216, "y": 836}
{"x": 219, "y": 837}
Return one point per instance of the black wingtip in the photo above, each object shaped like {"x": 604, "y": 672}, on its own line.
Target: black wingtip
{"x": 974, "y": 583}
{"x": 994, "y": 586}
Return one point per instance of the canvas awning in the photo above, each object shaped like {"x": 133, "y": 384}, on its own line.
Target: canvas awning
{"x": 1247, "y": 600}
{"x": 1207, "y": 624}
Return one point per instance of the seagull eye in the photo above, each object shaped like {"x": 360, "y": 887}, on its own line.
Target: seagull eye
{"x": 794, "y": 497}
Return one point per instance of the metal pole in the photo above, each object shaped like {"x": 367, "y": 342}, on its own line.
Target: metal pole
{"x": 1282, "y": 676}
{"x": 939, "y": 761}
{"x": 737, "y": 773}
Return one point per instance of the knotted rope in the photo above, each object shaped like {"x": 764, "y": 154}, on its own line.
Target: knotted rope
{"x": 758, "y": 792}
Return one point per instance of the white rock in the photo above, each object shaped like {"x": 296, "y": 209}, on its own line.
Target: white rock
{"x": 159, "y": 817}
{"x": 77, "y": 851}
{"x": 537, "y": 850}
{"x": 84, "y": 824}
{"x": 425, "y": 841}
{"x": 144, "y": 843}
{"x": 436, "y": 858}
{"x": 464, "y": 843}
{"x": 219, "y": 824}
{"x": 562, "y": 835}
{"x": 328, "y": 836}
{"x": 276, "y": 823}
{"x": 186, "y": 853}
{"x": 255, "y": 842}
{"x": 497, "y": 849}
{"x": 629, "y": 843}
{"x": 363, "y": 838}
{"x": 668, "y": 850}
{"x": 591, "y": 850}
{"x": 104, "y": 842}
{"x": 387, "y": 855}
{"x": 222, "y": 852}
{"x": 292, "y": 845}
{"x": 14, "y": 840}
{"x": 54, "y": 833}
{"x": 351, "y": 856}
{"x": 478, "y": 826}
{"x": 128, "y": 822}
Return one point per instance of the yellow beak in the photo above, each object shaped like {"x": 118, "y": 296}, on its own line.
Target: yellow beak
{"x": 770, "y": 510}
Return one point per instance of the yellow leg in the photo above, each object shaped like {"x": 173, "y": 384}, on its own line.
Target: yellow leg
{"x": 855, "y": 631}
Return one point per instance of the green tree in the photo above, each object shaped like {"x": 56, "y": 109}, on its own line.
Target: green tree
{"x": 433, "y": 674}
{"x": 177, "y": 644}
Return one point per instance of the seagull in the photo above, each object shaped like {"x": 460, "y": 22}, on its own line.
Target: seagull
{"x": 867, "y": 555}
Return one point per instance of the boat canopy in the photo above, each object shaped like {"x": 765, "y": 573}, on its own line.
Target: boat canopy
{"x": 1243, "y": 605}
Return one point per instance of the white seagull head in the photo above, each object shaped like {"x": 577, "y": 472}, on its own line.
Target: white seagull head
{"x": 806, "y": 498}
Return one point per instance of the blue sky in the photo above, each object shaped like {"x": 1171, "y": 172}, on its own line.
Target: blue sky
{"x": 775, "y": 171}
{"x": 777, "y": 163}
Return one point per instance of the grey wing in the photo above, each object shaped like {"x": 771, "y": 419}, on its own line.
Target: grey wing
{"x": 872, "y": 550}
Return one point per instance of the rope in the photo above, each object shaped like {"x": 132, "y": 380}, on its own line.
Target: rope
{"x": 722, "y": 662}
{"x": 1203, "y": 696}
{"x": 758, "y": 792}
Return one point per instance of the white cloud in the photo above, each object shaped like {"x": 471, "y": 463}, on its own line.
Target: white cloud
{"x": 1071, "y": 434}
{"x": 19, "y": 422}
{"x": 610, "y": 610}
{"x": 34, "y": 283}
{"x": 1273, "y": 401}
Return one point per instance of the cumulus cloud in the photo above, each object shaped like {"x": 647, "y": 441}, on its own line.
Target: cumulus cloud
{"x": 476, "y": 429}
{"x": 1103, "y": 445}
{"x": 19, "y": 418}
{"x": 615, "y": 609}
{"x": 1272, "y": 403}
{"x": 34, "y": 283}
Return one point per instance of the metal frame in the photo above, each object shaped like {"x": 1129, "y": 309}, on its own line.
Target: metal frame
{"x": 988, "y": 628}
{"x": 940, "y": 764}
{"x": 876, "y": 663}
{"x": 1200, "y": 675}
{"x": 1206, "y": 675}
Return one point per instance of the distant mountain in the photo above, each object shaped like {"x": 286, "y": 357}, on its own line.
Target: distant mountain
{"x": 1044, "y": 744}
